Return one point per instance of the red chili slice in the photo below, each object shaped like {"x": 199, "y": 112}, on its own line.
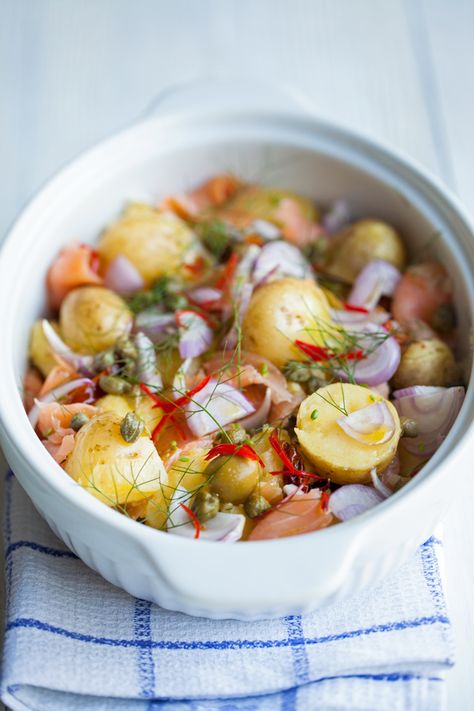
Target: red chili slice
{"x": 194, "y": 519}
{"x": 357, "y": 309}
{"x": 317, "y": 353}
{"x": 228, "y": 449}
{"x": 229, "y": 270}
{"x": 325, "y": 494}
{"x": 290, "y": 467}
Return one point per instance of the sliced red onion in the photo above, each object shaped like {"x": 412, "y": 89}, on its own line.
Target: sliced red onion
{"x": 383, "y": 389}
{"x": 56, "y": 343}
{"x": 245, "y": 268}
{"x": 188, "y": 366}
{"x": 55, "y": 395}
{"x": 417, "y": 390}
{"x": 123, "y": 277}
{"x": 355, "y": 320}
{"x": 154, "y": 324}
{"x": 370, "y": 425}
{"x": 383, "y": 357}
{"x": 390, "y": 476}
{"x": 377, "y": 279}
{"x": 195, "y": 334}
{"x": 224, "y": 527}
{"x": 205, "y": 295}
{"x": 264, "y": 229}
{"x": 434, "y": 414}
{"x": 352, "y": 500}
{"x": 243, "y": 300}
{"x": 280, "y": 259}
{"x": 260, "y": 416}
{"x": 336, "y": 217}
{"x": 378, "y": 484}
{"x": 216, "y": 405}
{"x": 146, "y": 371}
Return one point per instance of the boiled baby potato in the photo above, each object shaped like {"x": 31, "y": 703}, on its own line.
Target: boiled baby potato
{"x": 333, "y": 452}
{"x": 40, "y": 352}
{"x": 113, "y": 470}
{"x": 360, "y": 243}
{"x": 233, "y": 478}
{"x": 92, "y": 318}
{"x": 153, "y": 241}
{"x": 254, "y": 201}
{"x": 141, "y": 405}
{"x": 426, "y": 362}
{"x": 280, "y": 313}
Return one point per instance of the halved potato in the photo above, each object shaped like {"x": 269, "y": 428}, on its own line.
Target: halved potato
{"x": 153, "y": 241}
{"x": 333, "y": 452}
{"x": 280, "y": 313}
{"x": 113, "y": 470}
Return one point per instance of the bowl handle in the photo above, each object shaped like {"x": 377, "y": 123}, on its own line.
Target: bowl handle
{"x": 213, "y": 92}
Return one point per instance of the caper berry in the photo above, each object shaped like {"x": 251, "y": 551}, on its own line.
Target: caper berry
{"x": 113, "y": 385}
{"x": 409, "y": 427}
{"x": 131, "y": 427}
{"x": 256, "y": 505}
{"x": 444, "y": 318}
{"x": 78, "y": 420}
{"x": 205, "y": 505}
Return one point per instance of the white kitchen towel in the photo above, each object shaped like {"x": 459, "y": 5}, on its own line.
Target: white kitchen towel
{"x": 74, "y": 642}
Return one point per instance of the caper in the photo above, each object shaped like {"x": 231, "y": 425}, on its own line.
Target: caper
{"x": 229, "y": 508}
{"x": 409, "y": 427}
{"x": 256, "y": 505}
{"x": 444, "y": 318}
{"x": 205, "y": 505}
{"x": 315, "y": 382}
{"x": 232, "y": 478}
{"x": 78, "y": 420}
{"x": 131, "y": 427}
{"x": 104, "y": 360}
{"x": 113, "y": 385}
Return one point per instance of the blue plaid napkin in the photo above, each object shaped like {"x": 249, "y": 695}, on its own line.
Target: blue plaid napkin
{"x": 74, "y": 642}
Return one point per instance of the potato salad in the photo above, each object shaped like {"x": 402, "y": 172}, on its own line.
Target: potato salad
{"x": 236, "y": 363}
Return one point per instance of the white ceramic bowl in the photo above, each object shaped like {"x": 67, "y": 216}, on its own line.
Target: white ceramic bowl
{"x": 173, "y": 152}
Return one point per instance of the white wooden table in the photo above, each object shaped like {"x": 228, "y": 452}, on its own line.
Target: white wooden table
{"x": 73, "y": 71}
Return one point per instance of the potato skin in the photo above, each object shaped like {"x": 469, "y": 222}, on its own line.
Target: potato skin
{"x": 92, "y": 318}
{"x": 329, "y": 448}
{"x": 426, "y": 362}
{"x": 114, "y": 471}
{"x": 257, "y": 202}
{"x": 153, "y": 241}
{"x": 233, "y": 479}
{"x": 40, "y": 352}
{"x": 279, "y": 313}
{"x": 362, "y": 242}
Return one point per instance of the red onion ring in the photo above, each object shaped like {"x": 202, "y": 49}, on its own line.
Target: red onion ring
{"x": 264, "y": 229}
{"x": 123, "y": 277}
{"x": 371, "y": 425}
{"x": 205, "y": 295}
{"x": 56, "y": 343}
{"x": 378, "y": 484}
{"x": 434, "y": 414}
{"x": 224, "y": 527}
{"x": 377, "y": 278}
{"x": 280, "y": 259}
{"x": 379, "y": 365}
{"x": 336, "y": 217}
{"x": 417, "y": 390}
{"x": 146, "y": 371}
{"x": 216, "y": 405}
{"x": 195, "y": 334}
{"x": 352, "y": 500}
{"x": 260, "y": 416}
{"x": 154, "y": 324}
{"x": 54, "y": 395}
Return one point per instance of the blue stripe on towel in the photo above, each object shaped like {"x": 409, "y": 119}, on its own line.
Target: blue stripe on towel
{"x": 142, "y": 632}
{"x": 25, "y": 622}
{"x": 294, "y": 626}
{"x": 54, "y": 552}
